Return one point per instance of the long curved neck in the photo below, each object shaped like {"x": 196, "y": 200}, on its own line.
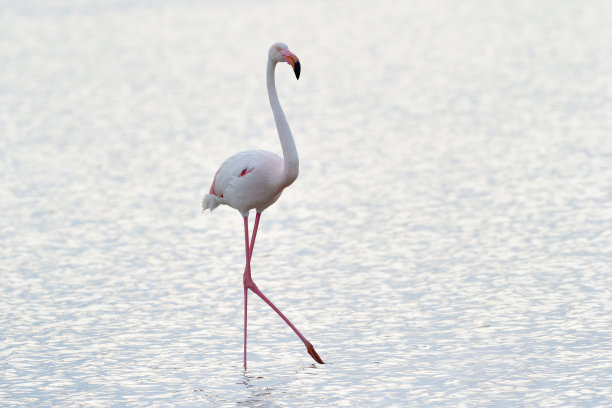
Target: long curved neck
{"x": 290, "y": 156}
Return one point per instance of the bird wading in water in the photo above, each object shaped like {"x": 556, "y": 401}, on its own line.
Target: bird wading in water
{"x": 255, "y": 179}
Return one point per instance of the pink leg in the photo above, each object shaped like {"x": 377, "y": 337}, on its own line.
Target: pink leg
{"x": 247, "y": 272}
{"x": 248, "y": 283}
{"x": 246, "y": 291}
{"x": 244, "y": 282}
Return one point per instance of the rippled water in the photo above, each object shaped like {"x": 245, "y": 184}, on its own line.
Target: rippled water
{"x": 448, "y": 241}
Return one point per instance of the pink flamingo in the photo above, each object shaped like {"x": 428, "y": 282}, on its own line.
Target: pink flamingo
{"x": 256, "y": 179}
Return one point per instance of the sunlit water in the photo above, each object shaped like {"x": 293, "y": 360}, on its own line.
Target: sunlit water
{"x": 448, "y": 241}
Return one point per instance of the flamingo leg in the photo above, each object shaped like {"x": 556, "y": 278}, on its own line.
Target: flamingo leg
{"x": 247, "y": 281}
{"x": 247, "y": 272}
{"x": 250, "y": 284}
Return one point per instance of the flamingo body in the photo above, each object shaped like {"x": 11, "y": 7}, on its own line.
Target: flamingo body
{"x": 255, "y": 179}
{"x": 247, "y": 180}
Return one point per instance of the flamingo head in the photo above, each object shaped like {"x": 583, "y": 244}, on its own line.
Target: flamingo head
{"x": 279, "y": 52}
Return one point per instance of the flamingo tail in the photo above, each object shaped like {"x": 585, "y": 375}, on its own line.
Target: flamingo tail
{"x": 211, "y": 202}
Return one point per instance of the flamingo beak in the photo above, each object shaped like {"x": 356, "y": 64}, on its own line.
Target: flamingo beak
{"x": 292, "y": 60}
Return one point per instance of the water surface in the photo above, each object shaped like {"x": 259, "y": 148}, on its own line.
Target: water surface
{"x": 448, "y": 241}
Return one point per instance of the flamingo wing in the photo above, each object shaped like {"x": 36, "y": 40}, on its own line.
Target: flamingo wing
{"x": 245, "y": 180}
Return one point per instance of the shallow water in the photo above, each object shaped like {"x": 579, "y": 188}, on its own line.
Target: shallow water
{"x": 448, "y": 241}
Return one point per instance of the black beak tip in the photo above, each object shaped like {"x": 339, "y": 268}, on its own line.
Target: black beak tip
{"x": 297, "y": 68}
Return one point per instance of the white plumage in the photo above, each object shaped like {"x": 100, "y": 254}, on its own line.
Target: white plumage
{"x": 247, "y": 180}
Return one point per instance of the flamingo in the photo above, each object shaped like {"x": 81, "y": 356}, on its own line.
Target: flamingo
{"x": 255, "y": 179}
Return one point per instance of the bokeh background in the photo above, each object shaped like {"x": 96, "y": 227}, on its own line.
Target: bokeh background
{"x": 448, "y": 241}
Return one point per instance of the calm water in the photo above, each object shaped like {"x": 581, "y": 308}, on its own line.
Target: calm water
{"x": 448, "y": 241}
